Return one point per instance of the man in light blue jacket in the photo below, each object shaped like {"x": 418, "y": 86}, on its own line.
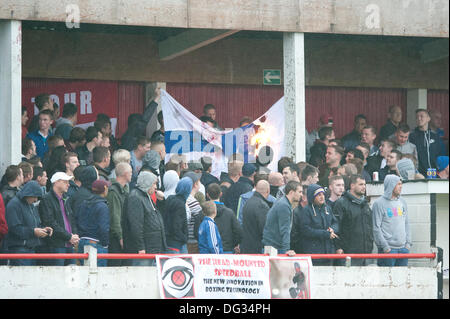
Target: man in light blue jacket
{"x": 391, "y": 231}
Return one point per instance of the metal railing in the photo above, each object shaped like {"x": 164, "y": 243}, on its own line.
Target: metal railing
{"x": 153, "y": 256}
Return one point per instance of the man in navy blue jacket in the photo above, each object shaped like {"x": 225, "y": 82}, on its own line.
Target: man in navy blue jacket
{"x": 427, "y": 142}
{"x": 93, "y": 220}
{"x": 318, "y": 227}
{"x": 24, "y": 225}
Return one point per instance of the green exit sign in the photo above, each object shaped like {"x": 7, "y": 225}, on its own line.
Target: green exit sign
{"x": 272, "y": 77}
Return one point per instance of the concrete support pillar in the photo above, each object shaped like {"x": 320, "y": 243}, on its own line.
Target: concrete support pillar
{"x": 10, "y": 92}
{"x": 294, "y": 95}
{"x": 150, "y": 87}
{"x": 415, "y": 99}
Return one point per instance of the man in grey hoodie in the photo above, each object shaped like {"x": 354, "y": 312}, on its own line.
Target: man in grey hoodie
{"x": 391, "y": 229}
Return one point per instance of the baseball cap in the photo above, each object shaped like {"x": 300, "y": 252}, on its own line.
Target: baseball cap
{"x": 98, "y": 186}
{"x": 60, "y": 176}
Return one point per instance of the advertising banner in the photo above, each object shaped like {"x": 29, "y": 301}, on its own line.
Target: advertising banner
{"x": 233, "y": 277}
{"x": 91, "y": 98}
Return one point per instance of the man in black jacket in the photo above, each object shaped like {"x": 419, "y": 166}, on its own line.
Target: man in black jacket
{"x": 175, "y": 217}
{"x": 93, "y": 139}
{"x": 352, "y": 139}
{"x": 137, "y": 124}
{"x": 207, "y": 178}
{"x": 87, "y": 176}
{"x": 319, "y": 149}
{"x": 242, "y": 186}
{"x": 102, "y": 158}
{"x": 356, "y": 226}
{"x": 142, "y": 224}
{"x": 57, "y": 214}
{"x": 378, "y": 161}
{"x": 427, "y": 142}
{"x": 229, "y": 228}
{"x": 394, "y": 119}
{"x": 13, "y": 181}
{"x": 254, "y": 218}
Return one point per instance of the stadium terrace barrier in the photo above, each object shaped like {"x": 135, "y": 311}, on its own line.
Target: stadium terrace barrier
{"x": 94, "y": 282}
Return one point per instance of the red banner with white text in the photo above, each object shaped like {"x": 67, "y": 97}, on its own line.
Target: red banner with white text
{"x": 91, "y": 97}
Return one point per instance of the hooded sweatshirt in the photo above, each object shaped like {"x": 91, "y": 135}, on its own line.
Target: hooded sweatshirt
{"x": 151, "y": 162}
{"x": 87, "y": 177}
{"x": 142, "y": 224}
{"x": 93, "y": 220}
{"x": 145, "y": 180}
{"x": 170, "y": 180}
{"x": 313, "y": 224}
{"x": 175, "y": 218}
{"x": 404, "y": 166}
{"x": 22, "y": 218}
{"x": 390, "y": 218}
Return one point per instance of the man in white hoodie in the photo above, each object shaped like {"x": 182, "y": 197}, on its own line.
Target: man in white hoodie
{"x": 391, "y": 228}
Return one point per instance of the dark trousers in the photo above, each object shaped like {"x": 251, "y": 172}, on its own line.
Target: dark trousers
{"x": 115, "y": 248}
{"x": 21, "y": 262}
{"x": 3, "y": 262}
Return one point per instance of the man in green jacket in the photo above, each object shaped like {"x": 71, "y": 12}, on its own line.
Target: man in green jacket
{"x": 117, "y": 194}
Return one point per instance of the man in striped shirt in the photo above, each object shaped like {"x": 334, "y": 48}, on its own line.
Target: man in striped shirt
{"x": 209, "y": 241}
{"x": 194, "y": 211}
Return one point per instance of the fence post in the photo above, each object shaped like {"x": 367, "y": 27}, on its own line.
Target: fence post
{"x": 91, "y": 262}
{"x": 348, "y": 261}
{"x": 439, "y": 264}
{"x": 271, "y": 251}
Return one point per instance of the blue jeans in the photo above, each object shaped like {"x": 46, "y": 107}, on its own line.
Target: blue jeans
{"x": 393, "y": 262}
{"x": 21, "y": 262}
{"x": 100, "y": 250}
{"x": 61, "y": 262}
